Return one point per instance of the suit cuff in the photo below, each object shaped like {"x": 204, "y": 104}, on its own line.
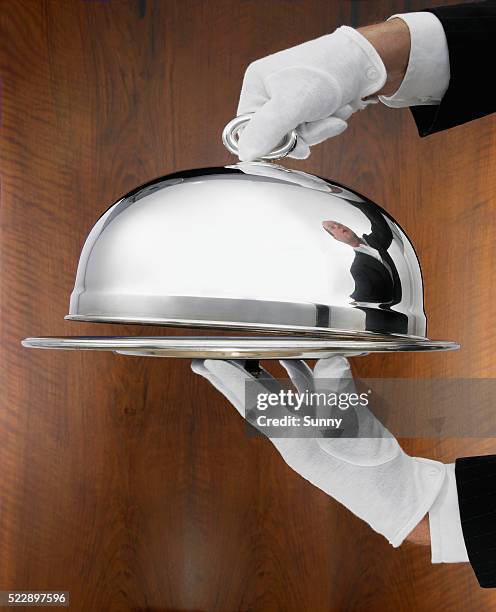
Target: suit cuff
{"x": 428, "y": 73}
{"x": 447, "y": 542}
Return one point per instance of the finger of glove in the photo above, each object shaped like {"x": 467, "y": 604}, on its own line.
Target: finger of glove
{"x": 301, "y": 150}
{"x": 364, "y": 440}
{"x": 344, "y": 112}
{"x": 336, "y": 367}
{"x": 333, "y": 375}
{"x": 227, "y": 383}
{"x": 336, "y": 376}
{"x": 316, "y": 132}
{"x": 300, "y": 374}
{"x": 266, "y": 129}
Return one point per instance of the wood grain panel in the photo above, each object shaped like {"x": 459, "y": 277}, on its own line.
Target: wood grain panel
{"x": 128, "y": 481}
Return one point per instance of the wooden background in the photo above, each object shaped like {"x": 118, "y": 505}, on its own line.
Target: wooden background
{"x": 128, "y": 481}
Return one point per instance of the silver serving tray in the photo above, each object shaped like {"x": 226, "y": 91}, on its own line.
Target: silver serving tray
{"x": 232, "y": 347}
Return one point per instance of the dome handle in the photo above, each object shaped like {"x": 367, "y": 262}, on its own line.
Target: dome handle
{"x": 230, "y": 136}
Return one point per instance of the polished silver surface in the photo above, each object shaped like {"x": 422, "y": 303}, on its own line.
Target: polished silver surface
{"x": 203, "y": 347}
{"x": 231, "y": 132}
{"x": 251, "y": 246}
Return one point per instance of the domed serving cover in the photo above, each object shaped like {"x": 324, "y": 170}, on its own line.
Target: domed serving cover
{"x": 250, "y": 246}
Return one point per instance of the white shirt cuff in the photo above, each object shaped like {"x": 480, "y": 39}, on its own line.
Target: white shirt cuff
{"x": 447, "y": 543}
{"x": 428, "y": 73}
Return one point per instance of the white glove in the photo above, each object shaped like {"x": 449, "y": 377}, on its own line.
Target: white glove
{"x": 314, "y": 87}
{"x": 372, "y": 476}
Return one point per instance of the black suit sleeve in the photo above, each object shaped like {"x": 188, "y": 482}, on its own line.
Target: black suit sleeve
{"x": 476, "y": 484}
{"x": 471, "y": 34}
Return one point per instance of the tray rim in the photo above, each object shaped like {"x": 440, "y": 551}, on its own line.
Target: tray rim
{"x": 226, "y": 347}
